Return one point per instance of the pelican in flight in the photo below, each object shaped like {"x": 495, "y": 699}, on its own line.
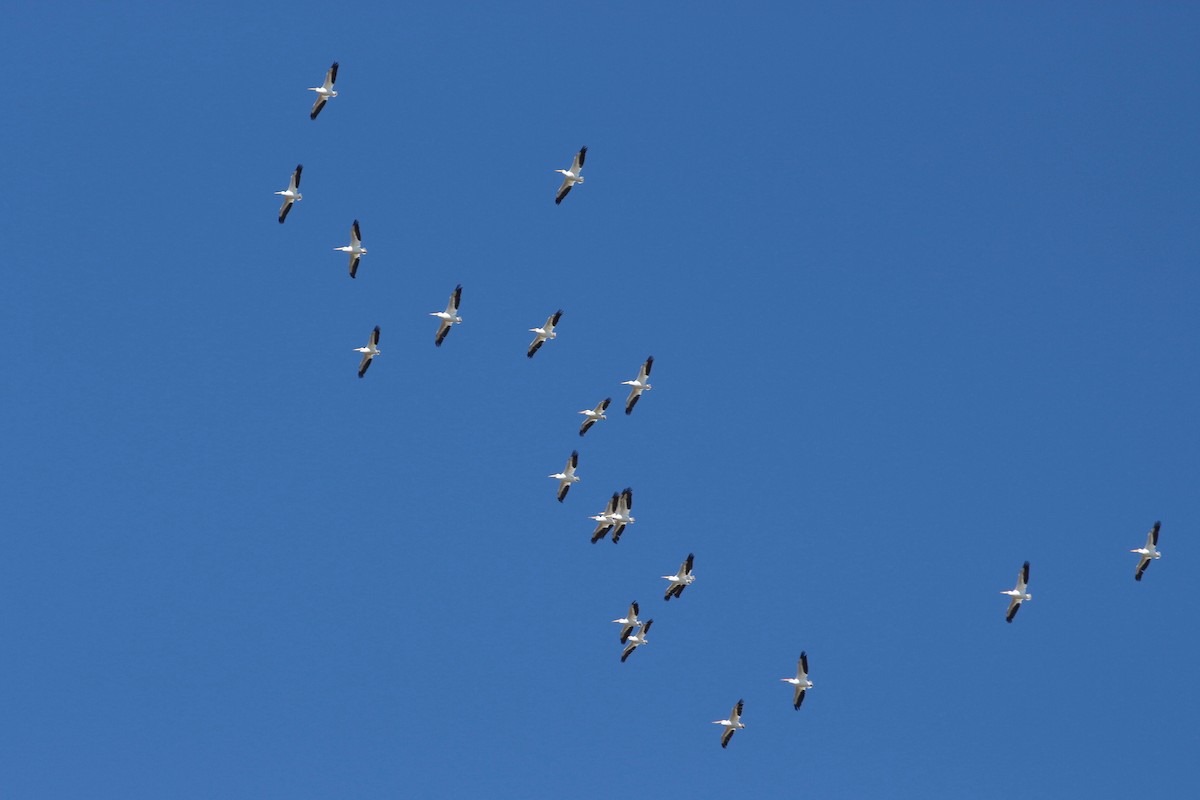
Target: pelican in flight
{"x": 369, "y": 352}
{"x": 620, "y": 517}
{"x": 355, "y": 248}
{"x": 636, "y": 640}
{"x": 801, "y": 681}
{"x": 604, "y": 522}
{"x": 731, "y": 725}
{"x": 594, "y": 415}
{"x": 1148, "y": 552}
{"x": 571, "y": 176}
{"x": 449, "y": 316}
{"x": 291, "y": 194}
{"x": 567, "y": 476}
{"x": 543, "y": 333}
{"x": 638, "y": 385}
{"x": 324, "y": 92}
{"x": 680, "y": 580}
{"x": 629, "y": 621}
{"x": 1019, "y": 594}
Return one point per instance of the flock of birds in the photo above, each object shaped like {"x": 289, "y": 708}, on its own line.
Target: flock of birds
{"x": 617, "y": 514}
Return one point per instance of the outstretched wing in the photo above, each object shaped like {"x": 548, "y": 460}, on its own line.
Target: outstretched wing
{"x": 1013, "y": 607}
{"x": 1141, "y": 567}
{"x": 443, "y": 329}
{"x": 284, "y": 209}
{"x": 631, "y": 401}
{"x": 317, "y": 106}
{"x": 563, "y": 191}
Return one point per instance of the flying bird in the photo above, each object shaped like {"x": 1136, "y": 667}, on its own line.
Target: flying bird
{"x": 1148, "y": 552}
{"x": 1018, "y": 594}
{"x": 369, "y": 352}
{"x": 567, "y": 476}
{"x": 594, "y": 415}
{"x": 638, "y": 385}
{"x": 636, "y": 640}
{"x": 731, "y": 725}
{"x": 629, "y": 621}
{"x": 449, "y": 316}
{"x": 355, "y": 248}
{"x": 680, "y": 580}
{"x": 571, "y": 176}
{"x": 604, "y": 522}
{"x": 325, "y": 92}
{"x": 620, "y": 517}
{"x": 543, "y": 333}
{"x": 801, "y": 681}
{"x": 291, "y": 194}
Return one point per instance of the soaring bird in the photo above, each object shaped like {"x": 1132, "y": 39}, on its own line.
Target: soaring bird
{"x": 369, "y": 352}
{"x": 567, "y": 476}
{"x": 638, "y": 385}
{"x": 594, "y": 415}
{"x": 1018, "y": 594}
{"x": 801, "y": 681}
{"x": 324, "y": 92}
{"x": 636, "y": 640}
{"x": 571, "y": 176}
{"x": 620, "y": 517}
{"x": 732, "y": 724}
{"x": 449, "y": 316}
{"x": 355, "y": 248}
{"x": 291, "y": 194}
{"x": 604, "y": 522}
{"x": 629, "y": 621}
{"x": 543, "y": 333}
{"x": 680, "y": 580}
{"x": 1148, "y": 552}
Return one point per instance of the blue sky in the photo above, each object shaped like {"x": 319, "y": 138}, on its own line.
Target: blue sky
{"x": 921, "y": 285}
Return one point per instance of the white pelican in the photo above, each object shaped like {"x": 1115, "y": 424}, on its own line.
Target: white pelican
{"x": 291, "y": 194}
{"x": 1148, "y": 552}
{"x": 571, "y": 176}
{"x": 604, "y": 521}
{"x": 638, "y": 385}
{"x": 620, "y": 517}
{"x": 567, "y": 476}
{"x": 801, "y": 681}
{"x": 636, "y": 640}
{"x": 355, "y": 248}
{"x": 543, "y": 333}
{"x": 680, "y": 580}
{"x": 594, "y": 415}
{"x": 1018, "y": 594}
{"x": 449, "y": 316}
{"x": 629, "y": 621}
{"x": 324, "y": 92}
{"x": 369, "y": 352}
{"x": 732, "y": 724}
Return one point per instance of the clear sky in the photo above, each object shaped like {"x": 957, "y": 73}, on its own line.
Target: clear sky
{"x": 921, "y": 283}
